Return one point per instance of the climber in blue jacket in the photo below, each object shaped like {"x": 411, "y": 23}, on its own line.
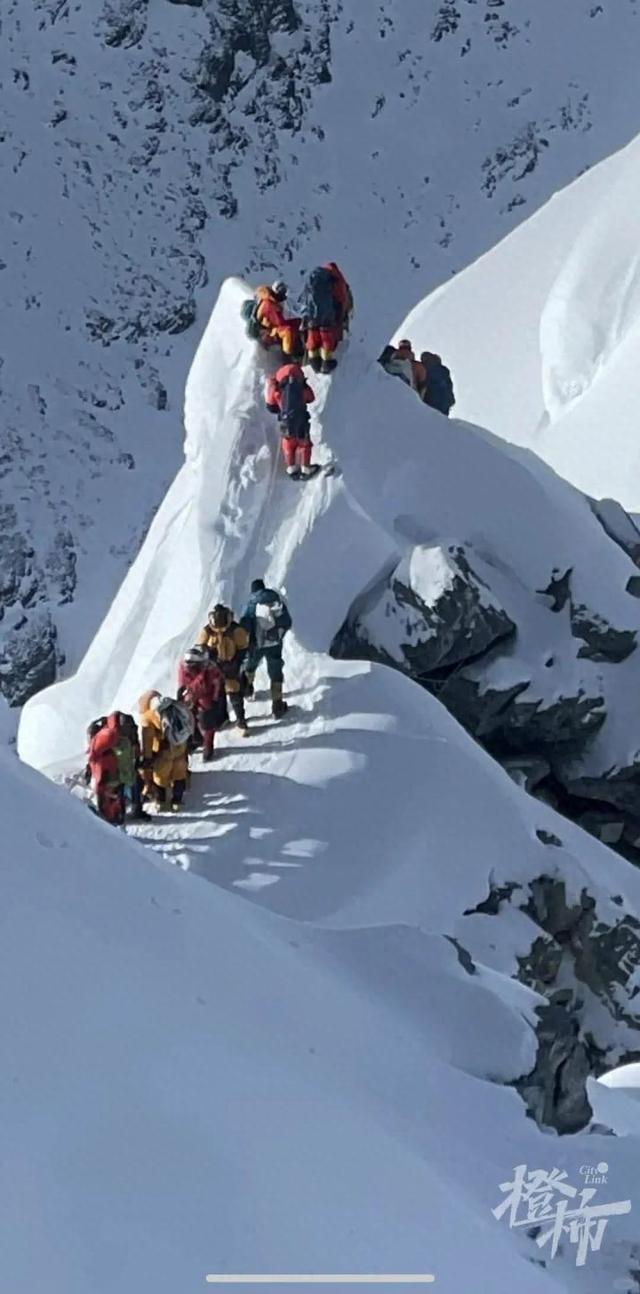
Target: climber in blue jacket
{"x": 266, "y": 619}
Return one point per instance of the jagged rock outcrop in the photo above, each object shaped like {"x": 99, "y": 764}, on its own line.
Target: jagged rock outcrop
{"x": 601, "y": 641}
{"x": 558, "y": 590}
{"x": 28, "y": 655}
{"x": 430, "y": 614}
{"x": 28, "y": 636}
{"x": 527, "y": 771}
{"x": 555, "y": 1090}
{"x": 580, "y": 957}
{"x": 164, "y": 123}
{"x": 507, "y": 718}
{"x": 619, "y": 787}
{"x": 600, "y": 955}
{"x": 618, "y": 525}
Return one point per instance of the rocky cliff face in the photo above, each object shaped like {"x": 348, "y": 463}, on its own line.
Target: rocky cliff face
{"x": 148, "y": 149}
{"x": 535, "y": 697}
{"x": 581, "y": 952}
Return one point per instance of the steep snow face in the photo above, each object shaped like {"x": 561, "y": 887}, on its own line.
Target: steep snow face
{"x": 232, "y": 514}
{"x": 542, "y": 333}
{"x": 169, "y": 1040}
{"x": 148, "y": 146}
{"x": 229, "y": 514}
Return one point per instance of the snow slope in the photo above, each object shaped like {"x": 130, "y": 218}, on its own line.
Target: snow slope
{"x": 542, "y": 333}
{"x": 199, "y": 1084}
{"x": 344, "y": 828}
{"x": 148, "y": 147}
{"x": 230, "y": 515}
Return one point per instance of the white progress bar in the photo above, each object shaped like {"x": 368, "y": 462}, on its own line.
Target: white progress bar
{"x": 319, "y": 1279}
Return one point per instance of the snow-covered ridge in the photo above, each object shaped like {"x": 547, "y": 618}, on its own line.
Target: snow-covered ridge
{"x": 148, "y": 147}
{"x": 488, "y": 949}
{"x": 390, "y": 1017}
{"x": 231, "y": 514}
{"x": 170, "y": 1041}
{"x": 542, "y": 332}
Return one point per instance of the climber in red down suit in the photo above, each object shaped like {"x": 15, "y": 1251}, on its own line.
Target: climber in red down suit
{"x": 288, "y": 394}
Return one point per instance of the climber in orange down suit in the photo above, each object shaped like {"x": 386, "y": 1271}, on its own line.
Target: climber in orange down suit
{"x": 271, "y": 319}
{"x": 288, "y": 394}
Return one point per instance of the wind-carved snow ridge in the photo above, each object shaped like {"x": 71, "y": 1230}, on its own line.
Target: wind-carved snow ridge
{"x": 230, "y": 514}
{"x": 595, "y": 300}
{"x": 157, "y": 131}
{"x": 542, "y": 333}
{"x": 370, "y": 815}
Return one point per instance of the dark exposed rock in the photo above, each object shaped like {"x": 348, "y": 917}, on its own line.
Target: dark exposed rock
{"x": 507, "y": 719}
{"x": 124, "y": 22}
{"x": 464, "y": 957}
{"x": 617, "y": 787}
{"x": 558, "y": 589}
{"x": 618, "y": 525}
{"x": 539, "y": 967}
{"x": 605, "y": 826}
{"x": 431, "y": 613}
{"x": 607, "y": 960}
{"x": 498, "y": 894}
{"x": 17, "y": 578}
{"x": 603, "y": 956}
{"x": 548, "y": 838}
{"x": 547, "y": 906}
{"x": 447, "y": 21}
{"x": 555, "y": 1090}
{"x": 28, "y": 658}
{"x": 516, "y": 159}
{"x": 178, "y": 319}
{"x": 601, "y": 641}
{"x": 60, "y": 566}
{"x": 526, "y": 771}
{"x": 633, "y": 586}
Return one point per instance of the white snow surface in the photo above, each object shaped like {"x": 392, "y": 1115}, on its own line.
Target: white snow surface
{"x": 148, "y": 147}
{"x": 279, "y": 1085}
{"x": 231, "y": 514}
{"x": 309, "y": 1081}
{"x": 542, "y": 332}
{"x": 615, "y": 1099}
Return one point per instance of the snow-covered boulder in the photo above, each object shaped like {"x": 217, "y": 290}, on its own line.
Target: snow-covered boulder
{"x": 429, "y": 614}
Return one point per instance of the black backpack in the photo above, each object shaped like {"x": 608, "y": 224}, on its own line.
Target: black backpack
{"x": 292, "y": 403}
{"x": 248, "y": 310}
{"x": 320, "y": 309}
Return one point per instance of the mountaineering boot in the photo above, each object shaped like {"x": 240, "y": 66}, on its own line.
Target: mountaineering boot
{"x": 179, "y": 788}
{"x": 293, "y": 472}
{"x": 278, "y": 706}
{"x": 237, "y": 710}
{"x": 315, "y": 363}
{"x": 307, "y": 472}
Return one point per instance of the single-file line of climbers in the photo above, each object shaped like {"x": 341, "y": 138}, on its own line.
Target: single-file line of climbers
{"x": 137, "y": 768}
